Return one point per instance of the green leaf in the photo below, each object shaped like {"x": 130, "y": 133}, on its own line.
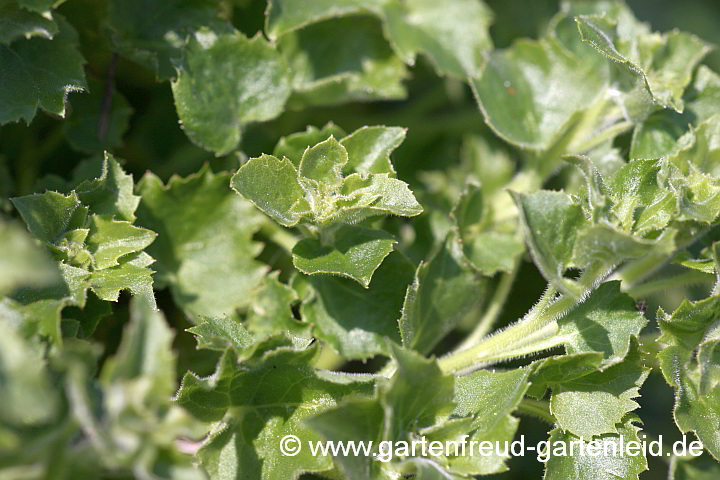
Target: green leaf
{"x": 131, "y": 274}
{"x": 272, "y": 185}
{"x": 414, "y": 372}
{"x": 487, "y": 398}
{"x": 697, "y": 149}
{"x": 689, "y": 364}
{"x": 705, "y": 265}
{"x": 38, "y": 72}
{"x": 657, "y": 136}
{"x": 17, "y": 23}
{"x": 531, "y": 92}
{"x": 93, "y": 126}
{"x": 393, "y": 415}
{"x": 39, "y": 6}
{"x": 293, "y": 146}
{"x": 609, "y": 245}
{"x": 324, "y": 162}
{"x": 111, "y": 193}
{"x": 271, "y": 311}
{"x": 551, "y": 222}
{"x": 27, "y": 392}
{"x": 265, "y": 402}
{"x": 662, "y": 64}
{"x": 221, "y": 333}
{"x": 638, "y": 193}
{"x": 562, "y": 368}
{"x": 36, "y": 309}
{"x": 285, "y": 16}
{"x": 488, "y": 249}
{"x": 446, "y": 291}
{"x": 357, "y": 421}
{"x": 51, "y": 215}
{"x": 224, "y": 82}
{"x": 594, "y": 404}
{"x": 604, "y": 322}
{"x": 111, "y": 239}
{"x": 23, "y": 263}
{"x": 342, "y": 60}
{"x": 369, "y": 149}
{"x": 454, "y": 36}
{"x": 153, "y": 33}
{"x": 131, "y": 398}
{"x": 378, "y": 194}
{"x": 204, "y": 228}
{"x": 618, "y": 465}
{"x": 356, "y": 321}
{"x": 356, "y": 252}
{"x": 145, "y": 351}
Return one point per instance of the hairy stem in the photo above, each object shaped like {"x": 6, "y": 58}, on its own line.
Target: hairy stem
{"x": 537, "y": 408}
{"x": 496, "y": 304}
{"x": 279, "y": 235}
{"x": 691, "y": 277}
{"x": 531, "y": 334}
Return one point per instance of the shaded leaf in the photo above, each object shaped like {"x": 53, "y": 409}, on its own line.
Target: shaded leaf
{"x": 204, "y": 229}
{"x": 38, "y": 72}
{"x": 356, "y": 321}
{"x": 446, "y": 291}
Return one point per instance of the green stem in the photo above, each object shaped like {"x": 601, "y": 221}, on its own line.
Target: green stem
{"x": 635, "y": 271}
{"x": 496, "y": 303}
{"x": 690, "y": 277}
{"x": 537, "y": 408}
{"x": 494, "y": 348}
{"x": 279, "y": 235}
{"x": 534, "y": 333}
{"x": 649, "y": 349}
{"x": 603, "y": 136}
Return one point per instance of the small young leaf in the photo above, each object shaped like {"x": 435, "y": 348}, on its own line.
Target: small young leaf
{"x": 369, "y": 149}
{"x": 111, "y": 239}
{"x": 273, "y": 187}
{"x": 293, "y": 146}
{"x": 324, "y": 162}
{"x": 111, "y": 193}
{"x": 221, "y": 333}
